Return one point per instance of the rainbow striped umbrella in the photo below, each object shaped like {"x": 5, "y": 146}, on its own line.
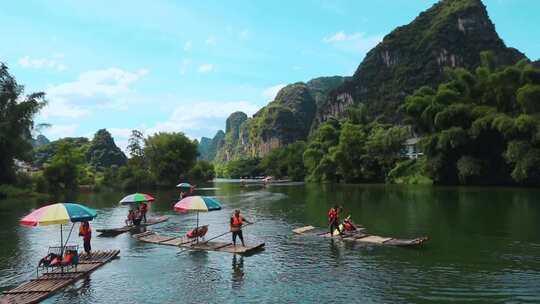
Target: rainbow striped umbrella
{"x": 136, "y": 198}
{"x": 62, "y": 214}
{"x": 59, "y": 214}
{"x": 197, "y": 204}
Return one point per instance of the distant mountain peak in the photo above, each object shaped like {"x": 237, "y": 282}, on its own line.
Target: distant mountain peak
{"x": 452, "y": 33}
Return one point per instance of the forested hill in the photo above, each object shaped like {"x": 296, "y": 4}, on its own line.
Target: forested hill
{"x": 100, "y": 152}
{"x": 450, "y": 34}
{"x": 285, "y": 120}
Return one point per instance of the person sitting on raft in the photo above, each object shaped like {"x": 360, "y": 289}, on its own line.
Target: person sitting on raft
{"x": 69, "y": 258}
{"x": 137, "y": 217}
{"x": 130, "y": 217}
{"x": 47, "y": 260}
{"x": 348, "y": 225}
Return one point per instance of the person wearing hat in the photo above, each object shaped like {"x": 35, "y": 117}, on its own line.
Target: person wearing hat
{"x": 237, "y": 220}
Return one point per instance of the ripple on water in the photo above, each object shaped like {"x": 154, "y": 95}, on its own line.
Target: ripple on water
{"x": 463, "y": 262}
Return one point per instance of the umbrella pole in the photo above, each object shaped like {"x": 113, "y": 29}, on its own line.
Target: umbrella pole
{"x": 197, "y": 226}
{"x": 61, "y": 248}
{"x": 61, "y": 241}
{"x": 71, "y": 230}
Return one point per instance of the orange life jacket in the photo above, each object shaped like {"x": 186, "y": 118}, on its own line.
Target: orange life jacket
{"x": 348, "y": 226}
{"x": 332, "y": 214}
{"x": 68, "y": 258}
{"x": 85, "y": 232}
{"x": 237, "y": 221}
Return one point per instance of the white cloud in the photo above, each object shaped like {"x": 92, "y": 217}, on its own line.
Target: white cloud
{"x": 120, "y": 132}
{"x": 200, "y": 116}
{"x": 188, "y": 45}
{"x": 43, "y": 63}
{"x": 210, "y": 41}
{"x": 59, "y": 131}
{"x": 205, "y": 68}
{"x": 61, "y": 108}
{"x": 121, "y": 136}
{"x": 359, "y": 42}
{"x": 108, "y": 88}
{"x": 339, "y": 36}
{"x": 271, "y": 92}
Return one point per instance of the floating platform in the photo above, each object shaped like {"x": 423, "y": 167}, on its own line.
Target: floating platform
{"x": 36, "y": 290}
{"x": 182, "y": 242}
{"x": 360, "y": 236}
{"x": 116, "y": 231}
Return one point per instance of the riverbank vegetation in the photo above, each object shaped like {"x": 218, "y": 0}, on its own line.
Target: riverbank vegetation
{"x": 482, "y": 126}
{"x": 479, "y": 127}
{"x": 29, "y": 166}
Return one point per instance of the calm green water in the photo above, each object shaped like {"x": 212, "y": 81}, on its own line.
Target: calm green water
{"x": 484, "y": 247}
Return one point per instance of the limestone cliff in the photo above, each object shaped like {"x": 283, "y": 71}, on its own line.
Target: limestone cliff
{"x": 287, "y": 119}
{"x": 450, "y": 34}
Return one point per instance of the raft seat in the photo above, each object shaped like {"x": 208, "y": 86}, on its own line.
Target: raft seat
{"x": 198, "y": 232}
{"x": 46, "y": 267}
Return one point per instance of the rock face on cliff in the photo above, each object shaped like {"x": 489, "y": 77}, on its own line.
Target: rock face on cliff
{"x": 287, "y": 119}
{"x": 230, "y": 147}
{"x": 451, "y": 34}
{"x": 103, "y": 152}
{"x": 536, "y": 63}
{"x": 208, "y": 147}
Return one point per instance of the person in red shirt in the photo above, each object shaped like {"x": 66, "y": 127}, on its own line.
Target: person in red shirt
{"x": 86, "y": 232}
{"x": 333, "y": 219}
{"x": 144, "y": 209}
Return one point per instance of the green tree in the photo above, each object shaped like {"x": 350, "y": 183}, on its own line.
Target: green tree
{"x": 170, "y": 156}
{"x": 203, "y": 171}
{"x": 286, "y": 161}
{"x": 481, "y": 127}
{"x": 248, "y": 167}
{"x": 63, "y": 172}
{"x": 16, "y": 123}
{"x": 135, "y": 144}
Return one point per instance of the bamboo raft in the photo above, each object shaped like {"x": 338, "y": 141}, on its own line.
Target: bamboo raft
{"x": 182, "y": 242}
{"x": 360, "y": 236}
{"x": 117, "y": 231}
{"x": 47, "y": 284}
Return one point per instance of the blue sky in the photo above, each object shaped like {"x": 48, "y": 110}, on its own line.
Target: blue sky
{"x": 186, "y": 65}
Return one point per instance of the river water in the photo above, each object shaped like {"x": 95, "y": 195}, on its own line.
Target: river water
{"x": 484, "y": 247}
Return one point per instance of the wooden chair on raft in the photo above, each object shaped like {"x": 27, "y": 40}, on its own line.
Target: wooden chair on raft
{"x": 54, "y": 260}
{"x": 197, "y": 233}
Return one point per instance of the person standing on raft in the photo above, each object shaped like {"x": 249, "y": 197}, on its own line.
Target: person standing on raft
{"x": 333, "y": 219}
{"x": 144, "y": 210}
{"x": 86, "y": 232}
{"x": 237, "y": 221}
